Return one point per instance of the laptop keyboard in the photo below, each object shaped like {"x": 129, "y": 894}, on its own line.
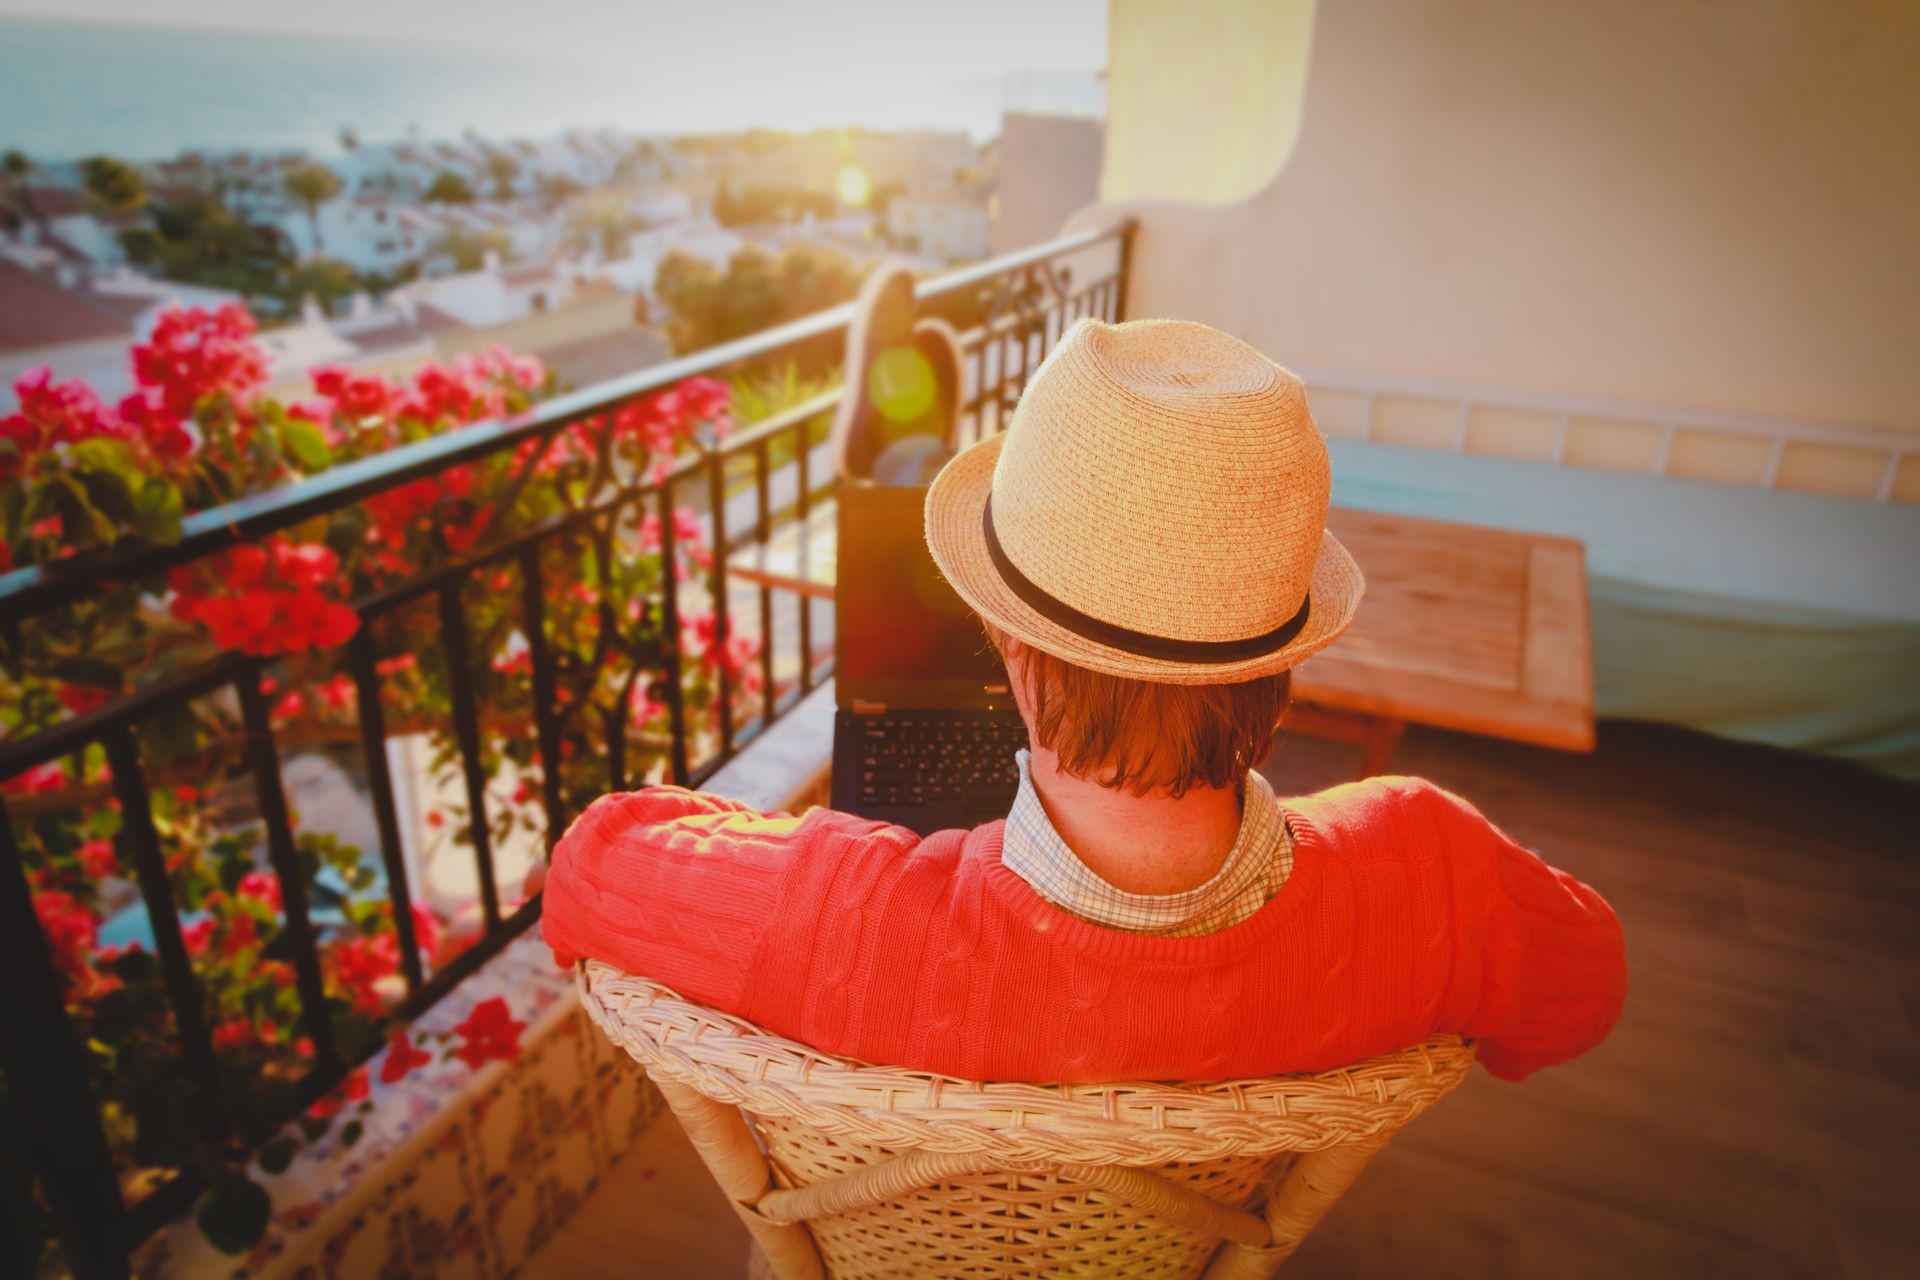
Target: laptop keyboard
{"x": 906, "y": 760}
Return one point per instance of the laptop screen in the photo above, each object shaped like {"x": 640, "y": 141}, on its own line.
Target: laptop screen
{"x": 904, "y": 637}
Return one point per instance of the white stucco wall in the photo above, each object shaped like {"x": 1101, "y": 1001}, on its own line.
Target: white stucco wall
{"x": 1699, "y": 203}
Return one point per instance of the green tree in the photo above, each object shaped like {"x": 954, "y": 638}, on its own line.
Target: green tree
{"x": 326, "y": 280}
{"x": 449, "y": 187}
{"x": 752, "y": 205}
{"x": 349, "y": 140}
{"x": 15, "y": 169}
{"x": 312, "y": 185}
{"x": 469, "y": 249}
{"x": 201, "y": 241}
{"x": 602, "y": 224}
{"x": 756, "y": 291}
{"x": 114, "y": 186}
{"x": 556, "y": 189}
{"x": 503, "y": 169}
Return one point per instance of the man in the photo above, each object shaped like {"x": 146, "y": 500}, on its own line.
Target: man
{"x": 1146, "y": 546}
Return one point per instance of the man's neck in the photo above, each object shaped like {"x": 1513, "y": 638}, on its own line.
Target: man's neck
{"x": 1139, "y": 844}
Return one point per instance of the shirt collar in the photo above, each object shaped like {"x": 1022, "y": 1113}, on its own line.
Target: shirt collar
{"x": 1034, "y": 851}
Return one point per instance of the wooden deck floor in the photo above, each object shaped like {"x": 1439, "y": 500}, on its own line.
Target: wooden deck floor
{"x": 1756, "y": 1114}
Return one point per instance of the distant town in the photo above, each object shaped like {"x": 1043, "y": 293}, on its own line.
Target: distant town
{"x": 582, "y": 248}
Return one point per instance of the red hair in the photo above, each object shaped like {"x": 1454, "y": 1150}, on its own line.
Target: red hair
{"x": 1142, "y": 736}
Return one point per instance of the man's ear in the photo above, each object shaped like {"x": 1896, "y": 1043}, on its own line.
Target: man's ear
{"x": 1014, "y": 655}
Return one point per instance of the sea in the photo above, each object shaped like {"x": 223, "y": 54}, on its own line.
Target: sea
{"x": 146, "y": 93}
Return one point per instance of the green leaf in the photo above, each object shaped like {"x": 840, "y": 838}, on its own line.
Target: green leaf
{"x": 233, "y": 1213}
{"x": 306, "y": 443}
{"x": 109, "y": 493}
{"x": 314, "y": 1128}
{"x": 13, "y": 506}
{"x": 350, "y": 1132}
{"x": 63, "y": 495}
{"x": 104, "y": 453}
{"x": 157, "y": 509}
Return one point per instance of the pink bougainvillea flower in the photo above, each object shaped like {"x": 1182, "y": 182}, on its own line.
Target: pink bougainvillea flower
{"x": 194, "y": 353}
{"x": 267, "y": 599}
{"x": 40, "y": 778}
{"x": 70, "y": 929}
{"x": 235, "y": 1033}
{"x": 354, "y": 395}
{"x": 262, "y": 887}
{"x": 402, "y": 1058}
{"x": 426, "y": 928}
{"x": 97, "y": 858}
{"x": 337, "y": 694}
{"x": 197, "y": 936}
{"x": 361, "y": 966}
{"x": 81, "y": 698}
{"x": 166, "y": 432}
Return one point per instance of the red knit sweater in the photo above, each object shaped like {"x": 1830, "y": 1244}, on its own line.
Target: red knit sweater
{"x": 1406, "y": 913}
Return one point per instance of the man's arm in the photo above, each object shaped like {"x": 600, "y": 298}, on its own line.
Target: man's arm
{"x": 1545, "y": 974}
{"x": 669, "y": 883}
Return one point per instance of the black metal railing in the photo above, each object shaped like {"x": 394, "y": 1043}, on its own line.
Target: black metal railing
{"x": 1012, "y": 309}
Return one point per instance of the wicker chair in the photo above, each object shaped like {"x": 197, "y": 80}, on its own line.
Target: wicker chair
{"x": 857, "y": 1172}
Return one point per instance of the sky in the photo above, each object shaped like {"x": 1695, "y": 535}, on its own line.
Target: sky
{"x": 735, "y": 38}
{"x": 300, "y": 71}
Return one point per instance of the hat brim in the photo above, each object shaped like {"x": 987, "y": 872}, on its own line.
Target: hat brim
{"x": 955, "y": 504}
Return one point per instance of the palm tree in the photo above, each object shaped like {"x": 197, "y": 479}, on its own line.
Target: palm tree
{"x": 312, "y": 185}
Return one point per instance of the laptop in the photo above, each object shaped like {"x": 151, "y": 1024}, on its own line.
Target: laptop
{"x": 925, "y": 730}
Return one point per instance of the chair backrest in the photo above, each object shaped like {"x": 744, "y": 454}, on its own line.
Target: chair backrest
{"x": 845, "y": 1170}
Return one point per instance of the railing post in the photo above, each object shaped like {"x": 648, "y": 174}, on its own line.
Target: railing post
{"x": 1124, "y": 275}
{"x": 670, "y": 650}
{"x": 47, "y": 1084}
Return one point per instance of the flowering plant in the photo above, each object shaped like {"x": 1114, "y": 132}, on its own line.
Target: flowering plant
{"x": 81, "y": 479}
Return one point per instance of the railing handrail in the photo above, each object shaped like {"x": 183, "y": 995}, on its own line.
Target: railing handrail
{"x": 32, "y": 590}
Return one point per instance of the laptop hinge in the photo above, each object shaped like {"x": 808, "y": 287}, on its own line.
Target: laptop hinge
{"x": 869, "y": 708}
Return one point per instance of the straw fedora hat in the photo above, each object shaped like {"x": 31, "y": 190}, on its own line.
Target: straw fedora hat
{"x": 1156, "y": 510}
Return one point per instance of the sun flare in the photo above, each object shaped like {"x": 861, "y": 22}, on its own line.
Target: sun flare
{"x": 853, "y": 186}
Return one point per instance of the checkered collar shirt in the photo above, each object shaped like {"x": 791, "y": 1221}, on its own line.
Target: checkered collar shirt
{"x": 1253, "y": 872}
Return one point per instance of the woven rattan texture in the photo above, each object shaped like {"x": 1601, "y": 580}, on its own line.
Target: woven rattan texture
{"x": 1007, "y": 1224}
{"x": 821, "y": 1117}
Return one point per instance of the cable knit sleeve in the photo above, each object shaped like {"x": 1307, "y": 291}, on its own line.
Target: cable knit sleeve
{"x": 671, "y": 883}
{"x": 1545, "y": 975}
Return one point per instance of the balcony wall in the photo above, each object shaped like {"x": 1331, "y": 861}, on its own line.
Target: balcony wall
{"x": 1704, "y": 205}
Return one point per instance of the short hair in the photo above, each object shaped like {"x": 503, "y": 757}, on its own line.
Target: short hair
{"x": 1143, "y": 736}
